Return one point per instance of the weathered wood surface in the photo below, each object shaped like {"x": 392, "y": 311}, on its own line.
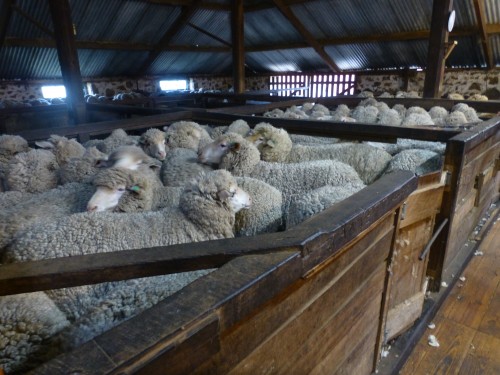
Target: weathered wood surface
{"x": 13, "y": 120}
{"x": 467, "y": 325}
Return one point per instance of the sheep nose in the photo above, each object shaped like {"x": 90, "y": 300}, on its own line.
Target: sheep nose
{"x": 162, "y": 154}
{"x": 91, "y": 208}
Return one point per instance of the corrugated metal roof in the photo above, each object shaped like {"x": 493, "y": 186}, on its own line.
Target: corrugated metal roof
{"x": 144, "y": 23}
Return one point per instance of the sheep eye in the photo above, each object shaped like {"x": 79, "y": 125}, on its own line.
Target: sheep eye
{"x": 223, "y": 145}
{"x": 121, "y": 189}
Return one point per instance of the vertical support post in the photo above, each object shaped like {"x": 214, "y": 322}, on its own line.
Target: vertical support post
{"x": 68, "y": 58}
{"x": 237, "y": 26}
{"x": 434, "y": 72}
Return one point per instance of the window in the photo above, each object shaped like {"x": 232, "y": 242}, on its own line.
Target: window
{"x": 313, "y": 85}
{"x": 177, "y": 84}
{"x": 50, "y": 92}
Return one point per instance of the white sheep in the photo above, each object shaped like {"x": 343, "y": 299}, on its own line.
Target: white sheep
{"x": 10, "y": 145}
{"x": 239, "y": 156}
{"x": 417, "y": 119}
{"x": 206, "y": 211}
{"x": 63, "y": 148}
{"x": 186, "y": 134}
{"x": 389, "y": 117}
{"x": 180, "y": 166}
{"x": 265, "y": 213}
{"x": 311, "y": 139}
{"x": 469, "y": 112}
{"x": 365, "y": 114}
{"x": 27, "y": 322}
{"x": 305, "y": 205}
{"x": 416, "y": 160}
{"x": 275, "y": 145}
{"x": 117, "y": 138}
{"x": 84, "y": 168}
{"x": 32, "y": 171}
{"x": 438, "y": 112}
{"x": 153, "y": 143}
{"x": 455, "y": 118}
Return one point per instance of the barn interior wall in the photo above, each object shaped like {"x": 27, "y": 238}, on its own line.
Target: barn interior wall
{"x": 465, "y": 82}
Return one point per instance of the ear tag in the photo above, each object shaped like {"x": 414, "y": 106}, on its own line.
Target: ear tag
{"x": 135, "y": 189}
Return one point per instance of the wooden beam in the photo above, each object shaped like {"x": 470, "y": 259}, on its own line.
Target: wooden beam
{"x": 266, "y": 5}
{"x": 237, "y": 32}
{"x": 5, "y": 13}
{"x": 183, "y": 18}
{"x": 33, "y": 20}
{"x": 286, "y": 11}
{"x": 204, "y": 5}
{"x": 485, "y": 41}
{"x": 437, "y": 45}
{"x": 68, "y": 58}
{"x": 213, "y": 36}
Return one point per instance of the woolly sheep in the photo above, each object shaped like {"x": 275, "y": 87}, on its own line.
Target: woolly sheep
{"x": 368, "y": 101}
{"x": 274, "y": 144}
{"x": 365, "y": 114}
{"x": 416, "y": 160}
{"x": 206, "y": 212}
{"x": 117, "y": 138}
{"x": 217, "y": 131}
{"x": 27, "y": 323}
{"x": 153, "y": 143}
{"x": 455, "y": 118}
{"x": 310, "y": 139}
{"x": 368, "y": 161}
{"x": 63, "y": 148}
{"x": 265, "y": 213}
{"x": 417, "y": 119}
{"x": 239, "y": 126}
{"x": 478, "y": 97}
{"x": 276, "y": 113}
{"x": 386, "y": 95}
{"x": 33, "y": 171}
{"x": 10, "y": 145}
{"x": 239, "y": 156}
{"x": 455, "y": 96}
{"x": 401, "y": 109}
{"x": 469, "y": 112}
{"x": 12, "y": 197}
{"x": 186, "y": 134}
{"x": 405, "y": 144}
{"x": 310, "y": 203}
{"x": 365, "y": 94}
{"x": 82, "y": 169}
{"x": 180, "y": 166}
{"x": 438, "y": 112}
{"x": 389, "y": 117}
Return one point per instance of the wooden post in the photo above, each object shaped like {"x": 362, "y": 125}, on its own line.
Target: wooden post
{"x": 237, "y": 19}
{"x": 68, "y": 59}
{"x": 437, "y": 44}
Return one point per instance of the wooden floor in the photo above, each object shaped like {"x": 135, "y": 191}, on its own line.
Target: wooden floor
{"x": 467, "y": 326}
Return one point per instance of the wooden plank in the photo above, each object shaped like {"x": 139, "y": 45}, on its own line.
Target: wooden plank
{"x": 490, "y": 324}
{"x": 234, "y": 284}
{"x": 68, "y": 58}
{"x": 5, "y": 14}
{"x": 454, "y": 342}
{"x": 294, "y": 299}
{"x": 238, "y": 48}
{"x": 284, "y": 347}
{"x": 483, "y": 356}
{"x": 402, "y": 316}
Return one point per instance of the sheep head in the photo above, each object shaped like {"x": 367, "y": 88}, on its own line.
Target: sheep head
{"x": 274, "y": 144}
{"x": 153, "y": 143}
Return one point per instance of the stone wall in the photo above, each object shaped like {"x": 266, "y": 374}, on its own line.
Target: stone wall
{"x": 465, "y": 82}
{"x": 226, "y": 83}
{"x": 20, "y": 91}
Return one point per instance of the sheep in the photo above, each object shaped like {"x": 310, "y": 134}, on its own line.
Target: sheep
{"x": 455, "y": 118}
{"x": 389, "y": 117}
{"x": 265, "y": 212}
{"x": 217, "y": 131}
{"x": 242, "y": 158}
{"x": 32, "y": 171}
{"x": 416, "y": 160}
{"x": 368, "y": 101}
{"x": 274, "y": 144}
{"x": 417, "y": 119}
{"x": 385, "y": 94}
{"x": 180, "y": 166}
{"x": 438, "y": 112}
{"x": 478, "y": 97}
{"x": 206, "y": 211}
{"x": 368, "y": 161}
{"x": 365, "y": 114}
{"x": 276, "y": 113}
{"x": 239, "y": 126}
{"x": 186, "y": 134}
{"x": 153, "y": 143}
{"x": 10, "y": 145}
{"x": 470, "y": 113}
{"x": 405, "y": 144}
{"x": 455, "y": 96}
{"x": 305, "y": 205}
{"x": 27, "y": 322}
{"x": 401, "y": 109}
{"x": 117, "y": 138}
{"x": 63, "y": 148}
{"x": 12, "y": 197}
{"x": 82, "y": 169}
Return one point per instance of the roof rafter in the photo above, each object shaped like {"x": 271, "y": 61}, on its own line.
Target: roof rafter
{"x": 485, "y": 41}
{"x": 183, "y": 18}
{"x": 287, "y": 12}
{"x": 204, "y": 5}
{"x": 33, "y": 20}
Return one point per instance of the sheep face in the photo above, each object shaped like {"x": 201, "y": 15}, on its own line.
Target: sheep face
{"x": 128, "y": 157}
{"x": 105, "y": 198}
{"x": 214, "y": 152}
{"x": 153, "y": 143}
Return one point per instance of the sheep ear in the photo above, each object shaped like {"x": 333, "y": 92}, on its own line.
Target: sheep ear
{"x": 223, "y": 195}
{"x": 270, "y": 143}
{"x": 45, "y": 144}
{"x": 235, "y": 147}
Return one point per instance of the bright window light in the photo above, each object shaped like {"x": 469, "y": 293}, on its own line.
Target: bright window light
{"x": 50, "y": 92}
{"x": 179, "y": 84}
